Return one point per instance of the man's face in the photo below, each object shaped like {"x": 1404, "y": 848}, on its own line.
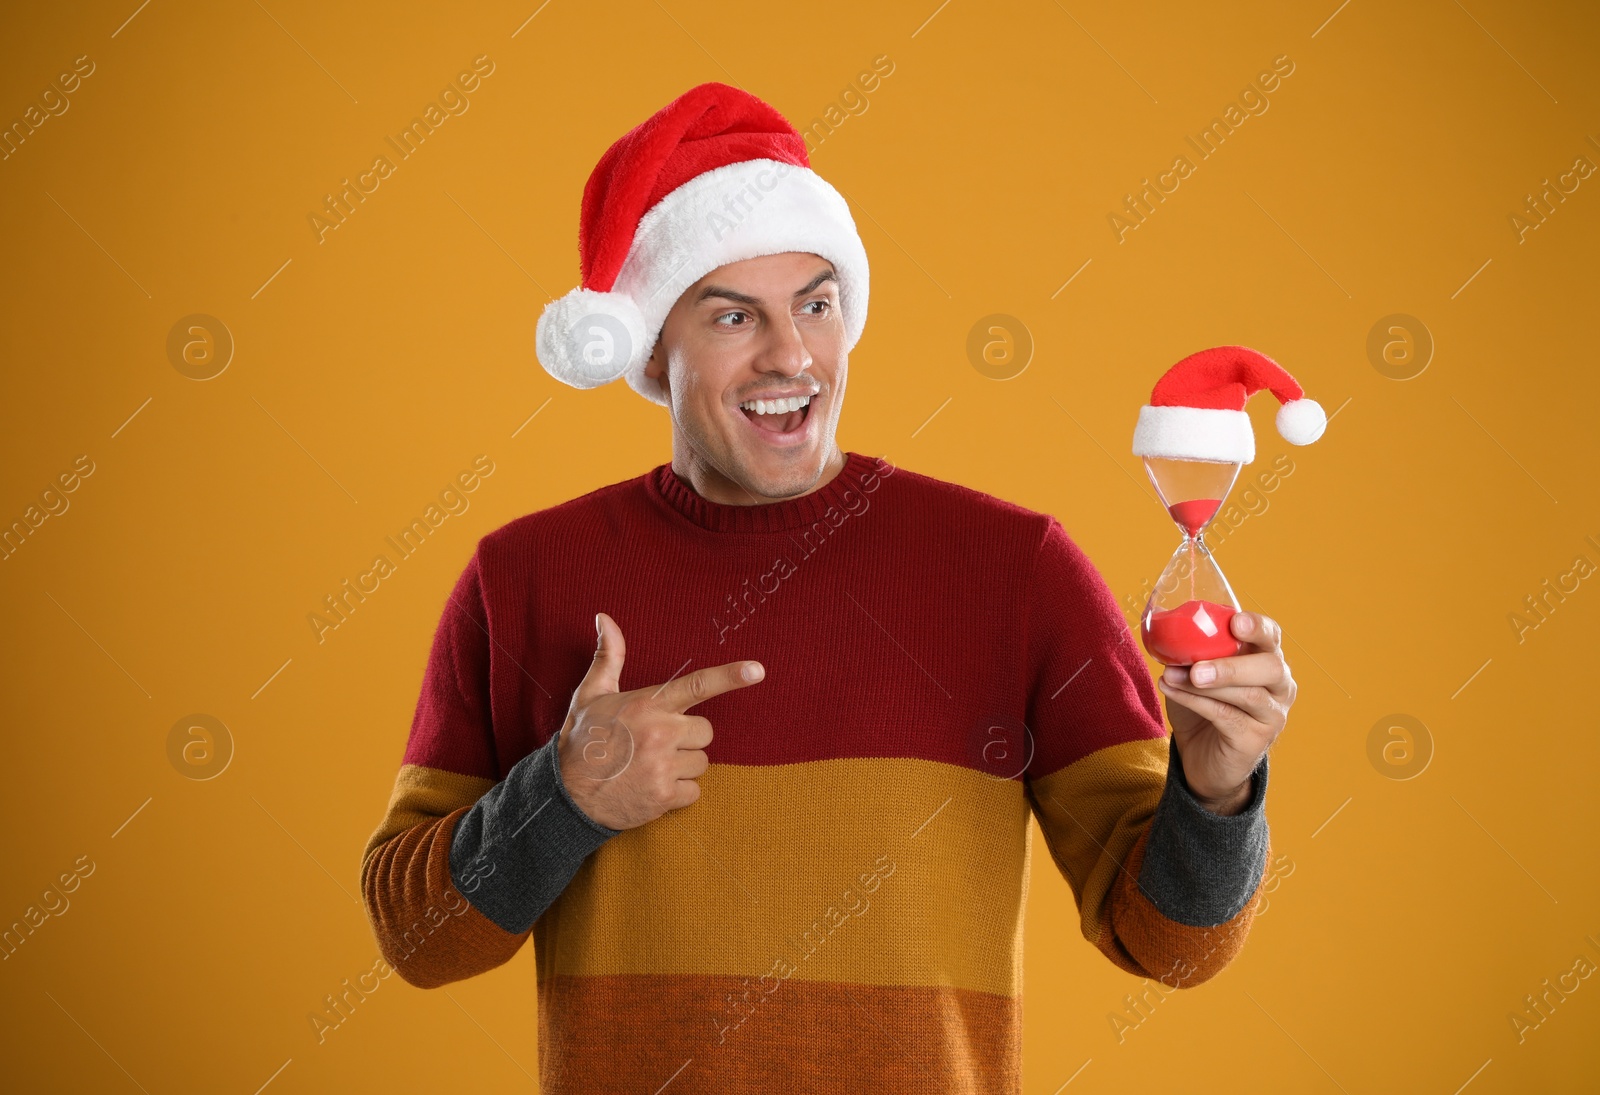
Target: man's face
{"x": 762, "y": 329}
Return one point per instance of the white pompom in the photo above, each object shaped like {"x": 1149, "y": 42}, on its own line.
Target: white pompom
{"x": 587, "y": 339}
{"x": 1301, "y": 421}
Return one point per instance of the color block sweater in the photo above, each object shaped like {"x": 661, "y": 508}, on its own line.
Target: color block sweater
{"x": 842, "y": 908}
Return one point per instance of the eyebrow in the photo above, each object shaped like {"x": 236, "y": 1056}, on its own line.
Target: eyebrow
{"x": 745, "y": 298}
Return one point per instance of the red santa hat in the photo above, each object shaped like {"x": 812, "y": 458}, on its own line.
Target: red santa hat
{"x": 716, "y": 176}
{"x": 1196, "y": 411}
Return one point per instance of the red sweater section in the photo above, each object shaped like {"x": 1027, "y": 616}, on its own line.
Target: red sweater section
{"x": 878, "y": 600}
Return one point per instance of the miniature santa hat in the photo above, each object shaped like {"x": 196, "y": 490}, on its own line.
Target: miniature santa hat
{"x": 1196, "y": 411}
{"x": 716, "y": 176}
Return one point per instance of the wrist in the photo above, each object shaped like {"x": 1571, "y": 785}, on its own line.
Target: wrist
{"x": 575, "y": 794}
{"x": 1232, "y": 803}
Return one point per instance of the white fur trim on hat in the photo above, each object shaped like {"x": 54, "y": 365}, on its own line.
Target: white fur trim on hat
{"x": 1301, "y": 421}
{"x": 1194, "y": 433}
{"x": 729, "y": 214}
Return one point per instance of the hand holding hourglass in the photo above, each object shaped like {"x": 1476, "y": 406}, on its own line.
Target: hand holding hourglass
{"x": 1233, "y": 699}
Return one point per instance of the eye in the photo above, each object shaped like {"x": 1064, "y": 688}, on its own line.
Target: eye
{"x": 823, "y": 305}
{"x": 725, "y": 315}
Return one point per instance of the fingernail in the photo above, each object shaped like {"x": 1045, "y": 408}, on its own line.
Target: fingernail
{"x": 1246, "y": 623}
{"x": 752, "y": 671}
{"x": 1204, "y": 673}
{"x": 598, "y": 632}
{"x": 1174, "y": 674}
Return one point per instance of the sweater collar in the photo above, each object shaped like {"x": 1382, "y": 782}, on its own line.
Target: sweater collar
{"x": 789, "y": 513}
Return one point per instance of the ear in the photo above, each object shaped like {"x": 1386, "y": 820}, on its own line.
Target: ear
{"x": 655, "y": 366}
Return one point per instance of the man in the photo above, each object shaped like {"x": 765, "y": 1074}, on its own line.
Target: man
{"x": 749, "y": 744}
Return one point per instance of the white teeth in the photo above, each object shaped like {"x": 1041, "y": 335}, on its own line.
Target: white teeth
{"x": 775, "y": 406}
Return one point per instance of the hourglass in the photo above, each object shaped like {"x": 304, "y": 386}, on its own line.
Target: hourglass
{"x": 1194, "y": 436}
{"x": 1186, "y": 618}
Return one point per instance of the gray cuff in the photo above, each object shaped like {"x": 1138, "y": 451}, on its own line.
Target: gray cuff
{"x": 514, "y": 851}
{"x": 1200, "y": 868}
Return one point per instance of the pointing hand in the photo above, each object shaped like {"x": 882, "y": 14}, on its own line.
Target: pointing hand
{"x": 629, "y": 757}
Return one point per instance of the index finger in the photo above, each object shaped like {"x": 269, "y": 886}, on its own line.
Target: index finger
{"x": 682, "y": 693}
{"x": 1264, "y": 634}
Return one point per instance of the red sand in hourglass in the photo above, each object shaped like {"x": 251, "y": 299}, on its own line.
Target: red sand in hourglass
{"x": 1193, "y": 514}
{"x": 1192, "y": 632}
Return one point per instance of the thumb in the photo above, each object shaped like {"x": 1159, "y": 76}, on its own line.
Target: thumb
{"x": 605, "y": 671}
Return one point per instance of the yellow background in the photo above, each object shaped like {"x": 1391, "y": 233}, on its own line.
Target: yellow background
{"x": 380, "y": 362}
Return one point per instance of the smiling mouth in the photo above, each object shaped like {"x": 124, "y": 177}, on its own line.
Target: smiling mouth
{"x": 788, "y": 423}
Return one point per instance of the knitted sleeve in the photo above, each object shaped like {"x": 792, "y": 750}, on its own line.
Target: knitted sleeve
{"x": 461, "y": 865}
{"x": 1165, "y": 888}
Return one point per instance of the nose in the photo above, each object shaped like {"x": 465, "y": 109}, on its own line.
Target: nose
{"x": 785, "y": 351}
